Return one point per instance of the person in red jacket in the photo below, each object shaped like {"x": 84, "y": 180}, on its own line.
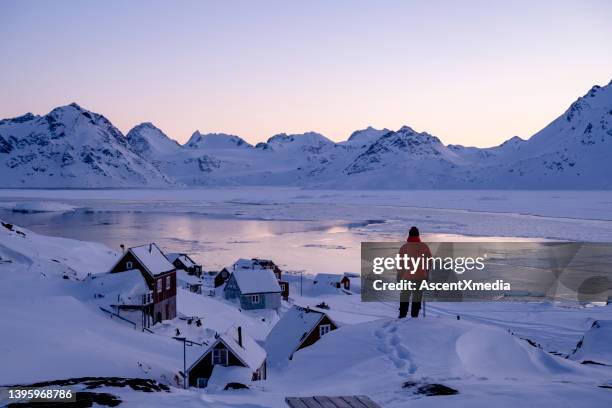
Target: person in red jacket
{"x": 414, "y": 248}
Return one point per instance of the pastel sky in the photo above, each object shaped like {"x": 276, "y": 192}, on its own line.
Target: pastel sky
{"x": 469, "y": 72}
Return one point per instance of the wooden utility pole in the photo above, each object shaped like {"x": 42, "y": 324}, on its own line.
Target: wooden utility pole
{"x": 185, "y": 344}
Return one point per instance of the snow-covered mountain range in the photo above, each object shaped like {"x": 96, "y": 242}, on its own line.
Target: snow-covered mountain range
{"x": 72, "y": 147}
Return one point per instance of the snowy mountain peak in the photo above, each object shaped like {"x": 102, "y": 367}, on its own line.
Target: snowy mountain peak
{"x": 74, "y": 115}
{"x": 597, "y": 98}
{"x": 149, "y": 141}
{"x": 573, "y": 150}
{"x": 367, "y": 135}
{"x": 406, "y": 137}
{"x": 70, "y": 109}
{"x": 215, "y": 141}
{"x": 397, "y": 151}
{"x": 70, "y": 147}
{"x": 308, "y": 142}
{"x": 19, "y": 119}
{"x": 307, "y": 138}
{"x": 513, "y": 141}
{"x": 406, "y": 130}
{"x": 145, "y": 125}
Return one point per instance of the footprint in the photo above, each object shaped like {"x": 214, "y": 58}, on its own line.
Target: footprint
{"x": 391, "y": 345}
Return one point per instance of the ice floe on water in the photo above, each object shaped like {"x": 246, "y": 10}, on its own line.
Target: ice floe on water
{"x": 32, "y": 207}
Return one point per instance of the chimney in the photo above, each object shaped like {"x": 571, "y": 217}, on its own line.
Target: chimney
{"x": 240, "y": 336}
{"x": 150, "y": 248}
{"x": 122, "y": 249}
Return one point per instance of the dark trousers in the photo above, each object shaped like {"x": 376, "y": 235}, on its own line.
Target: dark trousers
{"x": 405, "y": 297}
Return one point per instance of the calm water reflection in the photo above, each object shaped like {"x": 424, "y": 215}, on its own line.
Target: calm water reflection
{"x": 298, "y": 245}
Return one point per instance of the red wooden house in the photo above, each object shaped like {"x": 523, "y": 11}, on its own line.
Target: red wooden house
{"x": 221, "y": 277}
{"x": 159, "y": 274}
{"x": 184, "y": 262}
{"x": 299, "y": 327}
{"x": 234, "y": 356}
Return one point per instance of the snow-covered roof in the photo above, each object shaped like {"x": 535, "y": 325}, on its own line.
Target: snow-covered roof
{"x": 223, "y": 375}
{"x": 171, "y": 256}
{"x": 251, "y": 354}
{"x": 255, "y": 263}
{"x": 124, "y": 288}
{"x": 184, "y": 258}
{"x": 290, "y": 331}
{"x": 256, "y": 281}
{"x": 215, "y": 273}
{"x": 152, "y": 258}
{"x": 246, "y": 264}
{"x": 182, "y": 276}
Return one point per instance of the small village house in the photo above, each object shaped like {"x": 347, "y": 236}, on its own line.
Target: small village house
{"x": 254, "y": 289}
{"x": 233, "y": 357}
{"x": 190, "y": 282}
{"x": 158, "y": 273}
{"x": 258, "y": 263}
{"x": 336, "y": 281}
{"x": 184, "y": 262}
{"x": 221, "y": 277}
{"x": 126, "y": 294}
{"x": 300, "y": 327}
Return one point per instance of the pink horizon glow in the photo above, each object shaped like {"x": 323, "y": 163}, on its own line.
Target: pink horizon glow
{"x": 472, "y": 73}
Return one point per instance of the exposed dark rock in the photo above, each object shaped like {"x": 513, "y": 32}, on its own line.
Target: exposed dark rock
{"x": 429, "y": 390}
{"x": 83, "y": 400}
{"x": 137, "y": 384}
{"x": 235, "y": 386}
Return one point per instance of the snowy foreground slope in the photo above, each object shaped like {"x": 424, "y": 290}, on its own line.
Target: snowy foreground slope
{"x": 72, "y": 147}
{"x": 502, "y": 354}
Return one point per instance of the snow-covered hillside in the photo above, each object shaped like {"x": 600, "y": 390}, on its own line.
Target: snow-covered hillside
{"x": 571, "y": 152}
{"x": 72, "y": 147}
{"x": 496, "y": 354}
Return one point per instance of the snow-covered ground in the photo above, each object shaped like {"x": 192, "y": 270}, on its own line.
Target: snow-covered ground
{"x": 502, "y": 354}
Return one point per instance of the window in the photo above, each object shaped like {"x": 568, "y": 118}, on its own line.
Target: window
{"x": 202, "y": 382}
{"x": 324, "y": 329}
{"x": 168, "y": 282}
{"x": 254, "y": 298}
{"x": 129, "y": 265}
{"x": 159, "y": 286}
{"x": 219, "y": 356}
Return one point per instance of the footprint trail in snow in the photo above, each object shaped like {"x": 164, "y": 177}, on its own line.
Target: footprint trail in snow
{"x": 391, "y": 345}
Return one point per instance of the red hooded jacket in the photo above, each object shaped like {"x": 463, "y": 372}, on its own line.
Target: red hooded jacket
{"x": 414, "y": 248}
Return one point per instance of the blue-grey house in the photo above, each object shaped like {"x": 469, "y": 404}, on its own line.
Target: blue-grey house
{"x": 254, "y": 288}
